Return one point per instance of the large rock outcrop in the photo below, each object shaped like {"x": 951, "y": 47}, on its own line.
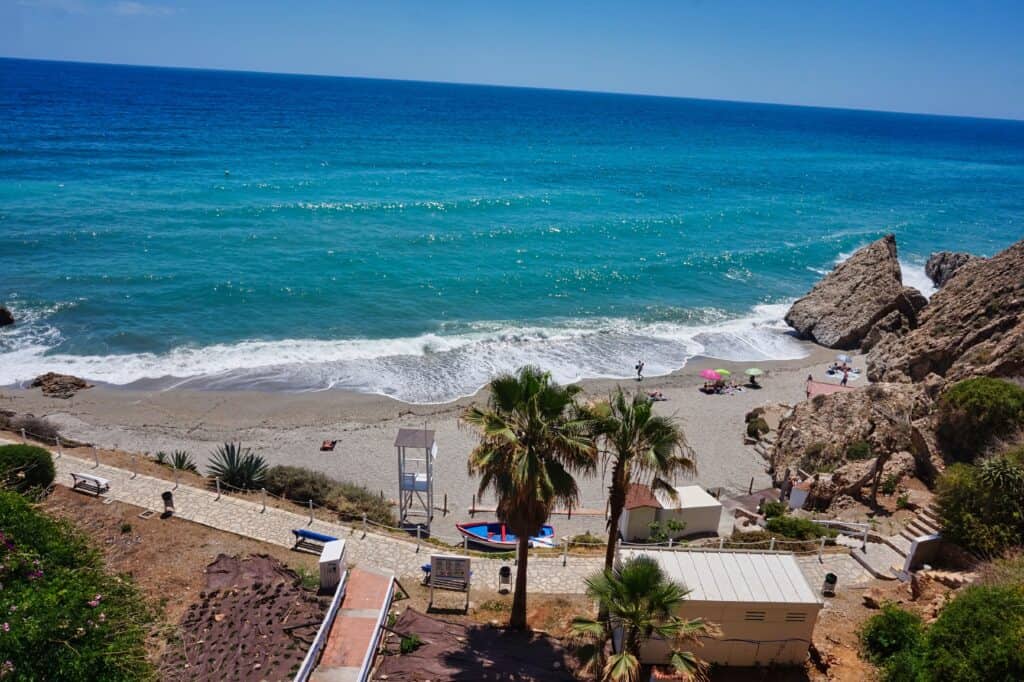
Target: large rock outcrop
{"x": 59, "y": 385}
{"x": 974, "y": 325}
{"x": 6, "y": 317}
{"x": 944, "y": 264}
{"x": 843, "y": 308}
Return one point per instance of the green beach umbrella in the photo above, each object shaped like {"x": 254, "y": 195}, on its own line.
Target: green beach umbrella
{"x": 723, "y": 372}
{"x": 754, "y": 372}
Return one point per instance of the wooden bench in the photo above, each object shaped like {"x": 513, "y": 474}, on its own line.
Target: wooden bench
{"x": 90, "y": 484}
{"x": 310, "y": 540}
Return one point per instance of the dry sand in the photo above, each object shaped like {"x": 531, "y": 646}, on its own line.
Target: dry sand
{"x": 288, "y": 428}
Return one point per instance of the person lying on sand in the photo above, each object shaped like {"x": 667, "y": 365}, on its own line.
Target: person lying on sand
{"x": 656, "y": 396}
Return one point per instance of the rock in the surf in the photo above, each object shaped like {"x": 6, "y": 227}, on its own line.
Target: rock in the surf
{"x": 6, "y": 317}
{"x": 843, "y": 307}
{"x": 59, "y": 385}
{"x": 973, "y": 326}
{"x": 944, "y": 264}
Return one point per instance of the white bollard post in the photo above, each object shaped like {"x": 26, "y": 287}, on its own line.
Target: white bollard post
{"x": 23, "y": 438}
{"x": 364, "y": 524}
{"x": 175, "y": 469}
{"x": 417, "y": 539}
{"x": 218, "y": 487}
{"x": 721, "y": 543}
{"x": 771, "y": 545}
{"x": 465, "y": 544}
{"x": 135, "y": 467}
{"x": 864, "y": 540}
{"x": 565, "y": 550}
{"x": 263, "y": 494}
{"x": 60, "y": 448}
{"x": 95, "y": 457}
{"x": 821, "y": 548}
{"x": 311, "y": 512}
{"x": 670, "y": 543}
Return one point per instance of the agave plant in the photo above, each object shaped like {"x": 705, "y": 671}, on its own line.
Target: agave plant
{"x": 182, "y": 461}
{"x": 237, "y": 466}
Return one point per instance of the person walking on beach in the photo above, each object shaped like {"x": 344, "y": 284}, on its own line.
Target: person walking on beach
{"x": 640, "y": 370}
{"x": 846, "y": 375}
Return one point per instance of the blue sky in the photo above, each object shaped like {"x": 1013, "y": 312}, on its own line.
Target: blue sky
{"x": 964, "y": 58}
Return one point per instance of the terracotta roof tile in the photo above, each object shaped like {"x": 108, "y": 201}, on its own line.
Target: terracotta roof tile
{"x": 640, "y": 496}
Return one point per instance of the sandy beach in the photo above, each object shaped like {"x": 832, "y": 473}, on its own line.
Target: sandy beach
{"x": 287, "y": 428}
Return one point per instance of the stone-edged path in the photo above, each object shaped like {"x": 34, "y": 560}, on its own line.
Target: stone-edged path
{"x": 401, "y": 557}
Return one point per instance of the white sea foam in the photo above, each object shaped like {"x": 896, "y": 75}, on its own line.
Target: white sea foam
{"x": 432, "y": 367}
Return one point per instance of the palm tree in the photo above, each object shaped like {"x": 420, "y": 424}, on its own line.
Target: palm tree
{"x": 640, "y": 600}
{"x": 530, "y": 446}
{"x": 643, "y": 445}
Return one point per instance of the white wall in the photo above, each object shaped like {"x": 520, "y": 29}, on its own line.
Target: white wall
{"x": 636, "y": 523}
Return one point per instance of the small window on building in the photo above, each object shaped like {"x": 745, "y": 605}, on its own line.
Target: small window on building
{"x": 755, "y": 615}
{"x": 795, "y": 617}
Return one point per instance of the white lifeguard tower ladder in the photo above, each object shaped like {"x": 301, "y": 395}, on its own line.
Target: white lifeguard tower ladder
{"x": 415, "y": 476}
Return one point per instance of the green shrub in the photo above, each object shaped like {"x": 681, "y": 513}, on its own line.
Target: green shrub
{"x": 773, "y": 508}
{"x": 64, "y": 617}
{"x": 183, "y": 461}
{"x": 982, "y": 506}
{"x": 858, "y": 450}
{"x": 891, "y": 632}
{"x": 25, "y": 467}
{"x": 890, "y": 484}
{"x": 588, "y": 538}
{"x": 757, "y": 428}
{"x": 351, "y": 501}
{"x": 663, "y": 532}
{"x": 979, "y": 636}
{"x": 237, "y": 466}
{"x": 410, "y": 644}
{"x": 903, "y": 502}
{"x": 798, "y": 528}
{"x": 974, "y": 412}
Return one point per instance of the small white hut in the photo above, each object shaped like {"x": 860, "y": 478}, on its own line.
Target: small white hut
{"x": 693, "y": 506}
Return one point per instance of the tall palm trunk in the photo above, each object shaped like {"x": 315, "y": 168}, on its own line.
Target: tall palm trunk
{"x": 517, "y": 619}
{"x": 616, "y": 502}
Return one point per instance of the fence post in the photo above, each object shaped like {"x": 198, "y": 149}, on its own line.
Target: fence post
{"x": 60, "y": 448}
{"x": 23, "y": 438}
{"x": 750, "y": 489}
{"x": 364, "y": 524}
{"x": 175, "y": 469}
{"x": 445, "y": 510}
{"x": 218, "y": 487}
{"x": 565, "y": 550}
{"x": 670, "y": 543}
{"x": 311, "y": 512}
{"x": 95, "y": 457}
{"x": 821, "y": 548}
{"x": 135, "y": 467}
{"x": 465, "y": 544}
{"x": 864, "y": 540}
{"x": 472, "y": 506}
{"x": 771, "y": 545}
{"x": 263, "y": 495}
{"x": 417, "y": 538}
{"x": 721, "y": 543}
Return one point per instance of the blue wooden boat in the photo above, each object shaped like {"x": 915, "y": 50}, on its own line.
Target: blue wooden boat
{"x": 496, "y": 536}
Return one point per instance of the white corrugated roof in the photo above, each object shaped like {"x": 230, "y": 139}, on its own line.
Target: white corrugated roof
{"x": 688, "y": 497}
{"x": 735, "y": 576}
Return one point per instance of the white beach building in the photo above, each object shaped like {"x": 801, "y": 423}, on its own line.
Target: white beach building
{"x": 761, "y": 601}
{"x": 694, "y": 506}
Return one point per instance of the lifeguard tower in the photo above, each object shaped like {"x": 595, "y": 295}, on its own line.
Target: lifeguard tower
{"x": 415, "y": 476}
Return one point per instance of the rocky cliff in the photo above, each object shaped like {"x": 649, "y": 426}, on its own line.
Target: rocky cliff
{"x": 866, "y": 289}
{"x": 6, "y": 317}
{"x": 944, "y": 264}
{"x": 974, "y": 325}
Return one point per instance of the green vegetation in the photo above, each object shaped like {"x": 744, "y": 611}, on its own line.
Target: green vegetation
{"x": 979, "y": 636}
{"x": 237, "y": 466}
{"x": 975, "y": 412}
{"x": 640, "y": 599}
{"x": 351, "y": 501}
{"x": 774, "y": 508}
{"x": 982, "y": 506}
{"x": 61, "y": 616}
{"x": 531, "y": 442}
{"x": 25, "y": 468}
{"x": 587, "y": 538}
{"x": 308, "y": 579}
{"x": 798, "y": 528}
{"x": 410, "y": 644}
{"x": 642, "y": 445}
{"x": 890, "y": 484}
{"x": 126, "y": 528}
{"x": 663, "y": 532}
{"x": 757, "y": 427}
{"x": 179, "y": 459}
{"x": 858, "y": 450}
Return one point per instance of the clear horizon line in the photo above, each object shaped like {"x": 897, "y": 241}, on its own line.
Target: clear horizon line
{"x": 893, "y": 112}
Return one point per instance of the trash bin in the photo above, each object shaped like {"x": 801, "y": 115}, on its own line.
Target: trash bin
{"x": 828, "y": 588}
{"x": 168, "y": 497}
{"x": 505, "y": 579}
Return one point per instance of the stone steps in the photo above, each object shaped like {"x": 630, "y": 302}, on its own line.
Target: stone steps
{"x": 880, "y": 560}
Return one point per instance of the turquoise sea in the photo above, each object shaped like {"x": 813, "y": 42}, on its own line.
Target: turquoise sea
{"x": 227, "y": 230}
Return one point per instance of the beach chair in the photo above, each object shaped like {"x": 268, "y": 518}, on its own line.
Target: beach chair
{"x": 90, "y": 484}
{"x": 310, "y": 540}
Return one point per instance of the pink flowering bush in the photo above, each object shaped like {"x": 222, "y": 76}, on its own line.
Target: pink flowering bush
{"x": 55, "y": 597}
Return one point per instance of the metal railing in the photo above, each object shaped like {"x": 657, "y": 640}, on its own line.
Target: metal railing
{"x": 313, "y": 655}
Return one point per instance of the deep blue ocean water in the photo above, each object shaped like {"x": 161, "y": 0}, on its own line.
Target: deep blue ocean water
{"x": 293, "y": 232}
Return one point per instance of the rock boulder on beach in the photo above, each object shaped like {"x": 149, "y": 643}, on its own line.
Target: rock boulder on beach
{"x": 59, "y": 385}
{"x": 973, "y": 326}
{"x": 944, "y": 264}
{"x": 6, "y": 317}
{"x": 843, "y": 308}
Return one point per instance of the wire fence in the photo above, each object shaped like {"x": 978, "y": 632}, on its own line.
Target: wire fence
{"x": 423, "y": 534}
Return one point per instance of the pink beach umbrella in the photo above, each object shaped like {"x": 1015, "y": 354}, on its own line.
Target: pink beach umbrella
{"x": 710, "y": 375}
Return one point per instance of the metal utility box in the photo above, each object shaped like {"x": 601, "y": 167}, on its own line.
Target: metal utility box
{"x": 332, "y": 564}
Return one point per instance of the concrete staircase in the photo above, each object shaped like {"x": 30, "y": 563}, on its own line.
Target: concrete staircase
{"x": 885, "y": 556}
